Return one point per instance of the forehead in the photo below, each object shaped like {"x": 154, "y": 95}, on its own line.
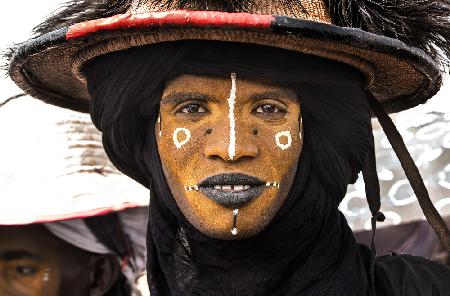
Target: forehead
{"x": 34, "y": 239}
{"x": 216, "y": 84}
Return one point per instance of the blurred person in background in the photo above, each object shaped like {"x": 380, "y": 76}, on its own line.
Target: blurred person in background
{"x": 70, "y": 223}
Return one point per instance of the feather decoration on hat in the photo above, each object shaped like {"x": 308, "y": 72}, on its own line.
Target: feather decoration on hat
{"x": 424, "y": 24}
{"x": 219, "y": 5}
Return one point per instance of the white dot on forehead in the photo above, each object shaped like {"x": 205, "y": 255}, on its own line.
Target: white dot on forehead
{"x": 187, "y": 135}
{"x": 283, "y": 140}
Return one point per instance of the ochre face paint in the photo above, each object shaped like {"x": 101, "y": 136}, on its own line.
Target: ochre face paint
{"x": 159, "y": 124}
{"x": 261, "y": 167}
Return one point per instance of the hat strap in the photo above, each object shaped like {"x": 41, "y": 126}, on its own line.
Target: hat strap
{"x": 372, "y": 186}
{"x": 412, "y": 173}
{"x": 12, "y": 98}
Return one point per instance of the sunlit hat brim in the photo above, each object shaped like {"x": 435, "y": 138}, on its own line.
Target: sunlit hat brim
{"x": 53, "y": 167}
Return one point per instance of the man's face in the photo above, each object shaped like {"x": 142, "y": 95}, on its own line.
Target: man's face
{"x": 28, "y": 262}
{"x": 33, "y": 262}
{"x": 229, "y": 148}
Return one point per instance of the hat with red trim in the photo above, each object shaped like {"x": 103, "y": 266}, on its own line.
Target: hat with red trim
{"x": 53, "y": 168}
{"x": 399, "y": 45}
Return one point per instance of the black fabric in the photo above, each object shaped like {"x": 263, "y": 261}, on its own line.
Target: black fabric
{"x": 308, "y": 249}
{"x": 109, "y": 231}
{"x": 406, "y": 275}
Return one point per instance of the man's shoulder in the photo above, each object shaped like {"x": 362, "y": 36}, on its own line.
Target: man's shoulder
{"x": 406, "y": 275}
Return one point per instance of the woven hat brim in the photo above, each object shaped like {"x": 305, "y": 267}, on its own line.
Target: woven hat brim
{"x": 49, "y": 67}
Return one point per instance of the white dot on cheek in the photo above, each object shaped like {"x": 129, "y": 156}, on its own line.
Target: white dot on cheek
{"x": 285, "y": 135}
{"x": 187, "y": 134}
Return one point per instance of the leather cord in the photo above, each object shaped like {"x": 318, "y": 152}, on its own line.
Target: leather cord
{"x": 412, "y": 173}
{"x": 372, "y": 187}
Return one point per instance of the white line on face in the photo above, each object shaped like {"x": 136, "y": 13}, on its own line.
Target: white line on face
{"x": 283, "y": 134}
{"x": 159, "y": 124}
{"x": 177, "y": 142}
{"x": 301, "y": 128}
{"x": 231, "y": 102}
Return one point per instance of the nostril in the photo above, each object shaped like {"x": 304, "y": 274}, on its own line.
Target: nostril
{"x": 208, "y": 131}
{"x": 215, "y": 157}
{"x": 245, "y": 157}
{"x": 255, "y": 131}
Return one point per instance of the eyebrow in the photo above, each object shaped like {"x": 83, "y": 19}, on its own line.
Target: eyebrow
{"x": 176, "y": 98}
{"x": 270, "y": 94}
{"x": 16, "y": 255}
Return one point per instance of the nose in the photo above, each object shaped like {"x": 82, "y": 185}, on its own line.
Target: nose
{"x": 223, "y": 144}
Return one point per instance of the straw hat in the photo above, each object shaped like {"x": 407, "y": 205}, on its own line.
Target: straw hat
{"x": 53, "y": 167}
{"x": 396, "y": 44}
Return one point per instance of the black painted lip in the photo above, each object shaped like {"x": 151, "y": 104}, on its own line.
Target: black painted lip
{"x": 232, "y": 199}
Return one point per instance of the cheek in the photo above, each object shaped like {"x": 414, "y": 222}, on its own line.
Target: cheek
{"x": 283, "y": 139}
{"x": 280, "y": 148}
{"x": 179, "y": 149}
{"x": 40, "y": 283}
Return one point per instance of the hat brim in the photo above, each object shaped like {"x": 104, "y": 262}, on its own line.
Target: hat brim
{"x": 53, "y": 167}
{"x": 49, "y": 67}
{"x": 69, "y": 197}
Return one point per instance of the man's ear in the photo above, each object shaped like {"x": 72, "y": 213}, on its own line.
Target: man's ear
{"x": 105, "y": 271}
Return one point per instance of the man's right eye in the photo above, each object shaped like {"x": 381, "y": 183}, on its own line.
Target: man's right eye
{"x": 25, "y": 270}
{"x": 193, "y": 108}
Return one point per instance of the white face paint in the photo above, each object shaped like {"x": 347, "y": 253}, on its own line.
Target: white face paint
{"x": 285, "y": 135}
{"x": 234, "y": 230}
{"x": 187, "y": 134}
{"x": 231, "y": 102}
{"x": 301, "y": 128}
{"x": 159, "y": 124}
{"x": 46, "y": 276}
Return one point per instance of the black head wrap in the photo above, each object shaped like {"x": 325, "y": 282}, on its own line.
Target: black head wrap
{"x": 308, "y": 248}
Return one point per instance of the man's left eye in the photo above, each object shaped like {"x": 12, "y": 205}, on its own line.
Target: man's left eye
{"x": 193, "y": 108}
{"x": 267, "y": 109}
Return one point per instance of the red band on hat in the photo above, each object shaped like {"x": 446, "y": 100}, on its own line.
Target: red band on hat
{"x": 171, "y": 18}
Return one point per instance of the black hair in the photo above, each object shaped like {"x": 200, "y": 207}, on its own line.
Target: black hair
{"x": 126, "y": 88}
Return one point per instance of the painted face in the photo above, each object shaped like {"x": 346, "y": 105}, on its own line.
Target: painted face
{"x": 33, "y": 262}
{"x": 229, "y": 149}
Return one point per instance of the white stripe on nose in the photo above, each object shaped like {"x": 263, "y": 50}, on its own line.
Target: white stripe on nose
{"x": 231, "y": 102}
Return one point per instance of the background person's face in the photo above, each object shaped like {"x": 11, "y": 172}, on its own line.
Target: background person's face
{"x": 229, "y": 145}
{"x": 28, "y": 262}
{"x": 33, "y": 262}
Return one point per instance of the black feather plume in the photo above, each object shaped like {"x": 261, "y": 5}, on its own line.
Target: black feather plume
{"x": 76, "y": 11}
{"x": 218, "y": 5}
{"x": 71, "y": 12}
{"x": 424, "y": 24}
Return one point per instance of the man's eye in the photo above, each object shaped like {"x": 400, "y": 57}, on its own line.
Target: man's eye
{"x": 193, "y": 108}
{"x": 24, "y": 270}
{"x": 268, "y": 109}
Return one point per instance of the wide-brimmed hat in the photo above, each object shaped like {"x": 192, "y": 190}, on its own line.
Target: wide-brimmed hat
{"x": 53, "y": 167}
{"x": 396, "y": 45}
